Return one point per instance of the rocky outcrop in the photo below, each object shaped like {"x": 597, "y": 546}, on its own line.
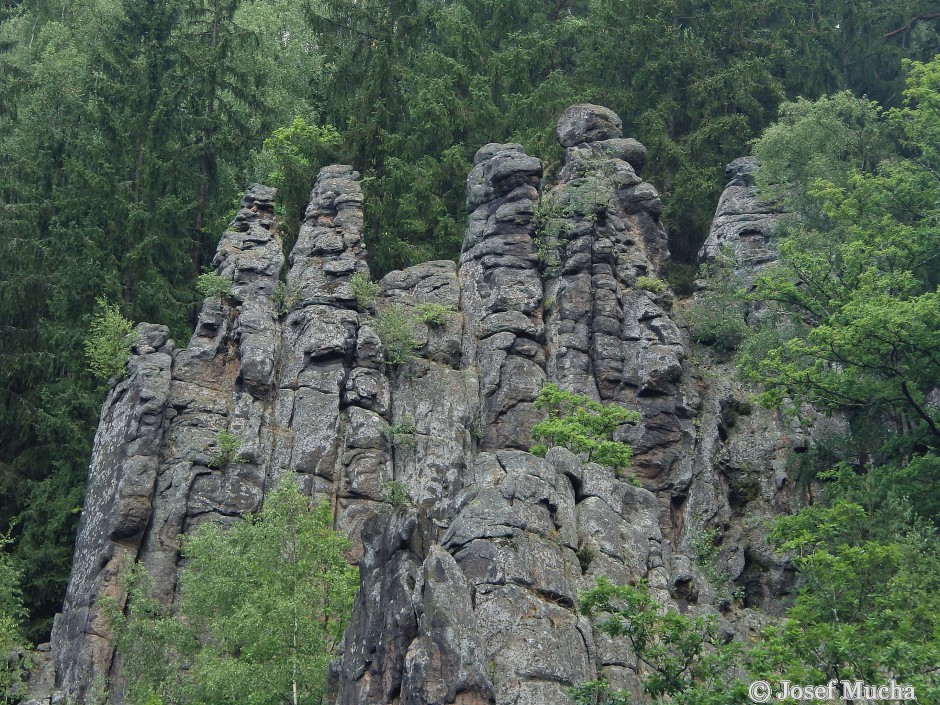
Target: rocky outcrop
{"x": 744, "y": 223}
{"x": 118, "y": 504}
{"x": 610, "y": 337}
{"x": 468, "y": 588}
{"x": 501, "y": 292}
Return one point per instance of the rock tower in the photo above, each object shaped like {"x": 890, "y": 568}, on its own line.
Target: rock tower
{"x": 468, "y": 595}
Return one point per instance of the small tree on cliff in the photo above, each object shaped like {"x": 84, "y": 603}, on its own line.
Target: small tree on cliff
{"x": 263, "y": 607}
{"x": 582, "y": 425}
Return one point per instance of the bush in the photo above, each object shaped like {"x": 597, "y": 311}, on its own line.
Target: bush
{"x": 290, "y": 159}
{"x": 681, "y": 276}
{"x": 394, "y": 328}
{"x": 433, "y": 314}
{"x": 717, "y": 321}
{"x": 285, "y": 298}
{"x": 262, "y": 610}
{"x": 396, "y": 494}
{"x": 364, "y": 290}
{"x": 681, "y": 659}
{"x": 227, "y": 446}
{"x": 657, "y": 286}
{"x": 586, "y": 198}
{"x": 402, "y": 434}
{"x": 109, "y": 341}
{"x": 716, "y": 318}
{"x": 212, "y": 284}
{"x": 582, "y": 425}
{"x": 12, "y": 615}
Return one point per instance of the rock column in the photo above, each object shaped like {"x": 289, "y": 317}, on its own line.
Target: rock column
{"x": 502, "y": 292}
{"x": 610, "y": 332}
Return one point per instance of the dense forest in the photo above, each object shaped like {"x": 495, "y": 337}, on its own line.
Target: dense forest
{"x": 128, "y": 129}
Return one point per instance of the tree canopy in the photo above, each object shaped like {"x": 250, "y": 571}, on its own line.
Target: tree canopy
{"x": 262, "y": 609}
{"x": 860, "y": 258}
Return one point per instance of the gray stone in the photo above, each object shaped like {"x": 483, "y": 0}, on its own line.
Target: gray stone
{"x": 587, "y": 123}
{"x": 467, "y": 594}
{"x": 446, "y": 662}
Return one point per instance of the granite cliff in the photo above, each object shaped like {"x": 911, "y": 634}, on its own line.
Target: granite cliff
{"x": 467, "y": 596}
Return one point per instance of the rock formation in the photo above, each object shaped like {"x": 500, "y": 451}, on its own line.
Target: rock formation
{"x": 743, "y": 224}
{"x": 467, "y": 596}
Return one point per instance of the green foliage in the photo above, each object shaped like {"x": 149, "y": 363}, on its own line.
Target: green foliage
{"x": 682, "y": 659}
{"x": 152, "y": 116}
{"x": 227, "y": 448}
{"x": 12, "y": 616}
{"x": 829, "y": 138}
{"x": 881, "y": 489}
{"x": 150, "y": 113}
{"x": 395, "y": 329}
{"x": 396, "y": 494}
{"x": 292, "y": 156}
{"x": 285, "y": 298}
{"x": 657, "y": 286}
{"x": 548, "y": 249}
{"x": 706, "y": 546}
{"x": 716, "y": 317}
{"x": 434, "y": 314}
{"x": 681, "y": 276}
{"x": 402, "y": 434}
{"x": 868, "y": 607}
{"x": 586, "y": 198}
{"x": 858, "y": 270}
{"x": 826, "y": 452}
{"x": 582, "y": 425}
{"x": 364, "y": 290}
{"x": 418, "y": 86}
{"x": 585, "y": 555}
{"x": 109, "y": 341}
{"x": 263, "y": 607}
{"x": 212, "y": 284}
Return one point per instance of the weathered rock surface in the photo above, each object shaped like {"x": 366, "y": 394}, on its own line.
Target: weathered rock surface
{"x": 744, "y": 223}
{"x": 467, "y": 594}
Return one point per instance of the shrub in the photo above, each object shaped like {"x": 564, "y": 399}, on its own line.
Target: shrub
{"x": 285, "y": 298}
{"x": 681, "y": 276}
{"x": 364, "y": 290}
{"x": 706, "y": 545}
{"x": 433, "y": 314}
{"x": 586, "y": 198}
{"x": 657, "y": 286}
{"x": 717, "y": 316}
{"x": 227, "y": 447}
{"x": 262, "y": 610}
{"x": 396, "y": 494}
{"x": 717, "y": 321}
{"x": 290, "y": 159}
{"x": 682, "y": 658}
{"x": 212, "y": 284}
{"x": 582, "y": 425}
{"x": 12, "y": 616}
{"x": 109, "y": 341}
{"x": 402, "y": 434}
{"x": 394, "y": 328}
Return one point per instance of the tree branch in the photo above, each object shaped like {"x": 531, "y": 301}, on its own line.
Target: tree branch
{"x": 907, "y": 28}
{"x": 920, "y": 411}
